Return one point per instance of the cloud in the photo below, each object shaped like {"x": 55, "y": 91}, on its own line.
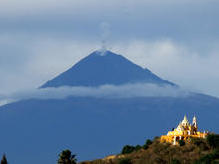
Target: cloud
{"x": 27, "y": 62}
{"x": 105, "y": 91}
{"x": 177, "y": 40}
{"x": 185, "y": 20}
{"x": 37, "y": 60}
{"x": 192, "y": 68}
{"x": 6, "y": 101}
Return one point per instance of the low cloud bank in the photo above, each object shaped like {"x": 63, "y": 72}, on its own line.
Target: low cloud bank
{"x": 105, "y": 91}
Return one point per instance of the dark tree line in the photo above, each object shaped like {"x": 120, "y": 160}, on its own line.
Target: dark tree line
{"x": 129, "y": 149}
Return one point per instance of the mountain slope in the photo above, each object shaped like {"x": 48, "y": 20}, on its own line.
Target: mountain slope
{"x": 100, "y": 69}
{"x": 35, "y": 131}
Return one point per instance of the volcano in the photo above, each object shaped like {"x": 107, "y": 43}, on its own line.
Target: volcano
{"x": 101, "y": 68}
{"x": 37, "y": 130}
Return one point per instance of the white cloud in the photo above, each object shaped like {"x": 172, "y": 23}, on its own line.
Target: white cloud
{"x": 178, "y": 63}
{"x": 105, "y": 91}
{"x": 37, "y": 60}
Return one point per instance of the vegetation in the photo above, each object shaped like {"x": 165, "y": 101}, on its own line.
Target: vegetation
{"x": 175, "y": 161}
{"x": 213, "y": 140}
{"x": 127, "y": 149}
{"x": 198, "y": 151}
{"x": 65, "y": 157}
{"x": 125, "y": 161}
{"x": 147, "y": 144}
{"x": 181, "y": 142}
{"x": 4, "y": 160}
{"x": 201, "y": 143}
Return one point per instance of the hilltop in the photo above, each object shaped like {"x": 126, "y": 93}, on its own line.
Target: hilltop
{"x": 198, "y": 151}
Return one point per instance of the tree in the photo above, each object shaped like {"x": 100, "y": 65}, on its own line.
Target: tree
{"x": 181, "y": 142}
{"x": 207, "y": 159}
{"x": 201, "y": 143}
{"x": 4, "y": 160}
{"x": 175, "y": 161}
{"x": 213, "y": 140}
{"x": 147, "y": 143}
{"x": 125, "y": 161}
{"x": 128, "y": 149}
{"x": 65, "y": 157}
{"x": 137, "y": 147}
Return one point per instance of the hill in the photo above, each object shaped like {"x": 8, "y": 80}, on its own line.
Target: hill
{"x": 198, "y": 151}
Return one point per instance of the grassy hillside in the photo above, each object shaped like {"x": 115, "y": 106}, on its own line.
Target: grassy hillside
{"x": 198, "y": 151}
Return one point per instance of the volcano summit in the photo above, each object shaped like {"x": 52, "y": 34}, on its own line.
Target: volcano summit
{"x": 110, "y": 68}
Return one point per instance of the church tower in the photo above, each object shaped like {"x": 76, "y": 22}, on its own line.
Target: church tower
{"x": 185, "y": 121}
{"x": 194, "y": 122}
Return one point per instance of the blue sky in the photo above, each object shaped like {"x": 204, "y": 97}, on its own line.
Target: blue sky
{"x": 177, "y": 40}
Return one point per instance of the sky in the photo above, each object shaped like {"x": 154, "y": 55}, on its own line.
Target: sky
{"x": 177, "y": 40}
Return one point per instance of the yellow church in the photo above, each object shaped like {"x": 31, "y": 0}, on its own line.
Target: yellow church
{"x": 185, "y": 131}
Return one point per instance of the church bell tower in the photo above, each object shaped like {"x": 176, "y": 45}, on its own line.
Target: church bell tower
{"x": 194, "y": 122}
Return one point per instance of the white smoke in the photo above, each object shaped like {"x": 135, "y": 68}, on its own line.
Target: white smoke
{"x": 105, "y": 33}
{"x": 105, "y": 91}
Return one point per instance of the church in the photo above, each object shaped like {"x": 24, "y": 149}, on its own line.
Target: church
{"x": 185, "y": 131}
